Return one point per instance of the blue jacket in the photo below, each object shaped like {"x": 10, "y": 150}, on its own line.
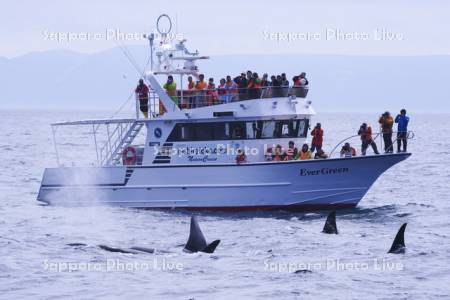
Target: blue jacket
{"x": 402, "y": 123}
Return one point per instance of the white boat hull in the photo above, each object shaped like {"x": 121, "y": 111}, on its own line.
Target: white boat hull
{"x": 293, "y": 185}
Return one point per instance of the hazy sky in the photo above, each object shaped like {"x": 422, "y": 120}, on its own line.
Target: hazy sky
{"x": 234, "y": 27}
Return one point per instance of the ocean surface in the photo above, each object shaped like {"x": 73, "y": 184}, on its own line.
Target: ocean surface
{"x": 259, "y": 251}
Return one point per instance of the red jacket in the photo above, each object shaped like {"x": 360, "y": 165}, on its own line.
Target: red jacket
{"x": 142, "y": 92}
{"x": 317, "y": 137}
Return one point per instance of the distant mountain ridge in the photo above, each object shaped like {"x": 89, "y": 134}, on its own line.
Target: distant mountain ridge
{"x": 67, "y": 79}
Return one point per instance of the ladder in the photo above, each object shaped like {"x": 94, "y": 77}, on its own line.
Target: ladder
{"x": 122, "y": 142}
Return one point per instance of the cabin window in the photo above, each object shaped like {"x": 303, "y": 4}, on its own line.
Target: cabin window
{"x": 239, "y": 130}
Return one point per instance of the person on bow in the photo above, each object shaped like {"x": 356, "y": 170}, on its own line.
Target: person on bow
{"x": 291, "y": 151}
{"x": 142, "y": 95}
{"x": 347, "y": 151}
{"x": 386, "y": 122}
{"x": 304, "y": 154}
{"x": 317, "y": 134}
{"x": 200, "y": 88}
{"x": 402, "y": 131}
{"x": 365, "y": 132}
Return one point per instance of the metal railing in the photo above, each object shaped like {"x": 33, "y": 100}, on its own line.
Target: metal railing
{"x": 188, "y": 99}
{"x": 378, "y": 136}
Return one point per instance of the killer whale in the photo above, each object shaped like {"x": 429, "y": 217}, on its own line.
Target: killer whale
{"x": 196, "y": 241}
{"x": 398, "y": 246}
{"x": 330, "y": 224}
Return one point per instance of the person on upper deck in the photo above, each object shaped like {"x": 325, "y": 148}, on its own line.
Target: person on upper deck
{"x": 211, "y": 93}
{"x": 284, "y": 84}
{"x": 254, "y": 87}
{"x": 232, "y": 90}
{"x": 348, "y": 151}
{"x": 304, "y": 85}
{"x": 222, "y": 91}
{"x": 242, "y": 83}
{"x": 142, "y": 95}
{"x": 265, "y": 86}
{"x": 200, "y": 88}
{"x": 191, "y": 93}
{"x": 365, "y": 132}
{"x": 386, "y": 121}
{"x": 304, "y": 154}
{"x": 402, "y": 131}
{"x": 171, "y": 87}
{"x": 275, "y": 87}
{"x": 317, "y": 134}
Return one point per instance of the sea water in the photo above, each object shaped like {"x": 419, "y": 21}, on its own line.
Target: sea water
{"x": 259, "y": 252}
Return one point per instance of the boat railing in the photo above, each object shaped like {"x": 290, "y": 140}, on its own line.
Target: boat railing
{"x": 377, "y": 138}
{"x": 188, "y": 99}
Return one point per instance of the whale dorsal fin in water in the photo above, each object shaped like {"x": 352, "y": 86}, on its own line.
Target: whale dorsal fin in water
{"x": 398, "y": 246}
{"x": 196, "y": 241}
{"x": 330, "y": 224}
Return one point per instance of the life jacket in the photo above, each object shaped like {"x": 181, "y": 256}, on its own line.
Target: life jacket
{"x": 386, "y": 124}
{"x": 200, "y": 85}
{"x": 366, "y": 135}
{"x": 211, "y": 94}
{"x": 305, "y": 155}
{"x": 142, "y": 92}
{"x": 222, "y": 89}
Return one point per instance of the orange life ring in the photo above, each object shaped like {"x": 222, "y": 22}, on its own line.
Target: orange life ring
{"x": 129, "y": 156}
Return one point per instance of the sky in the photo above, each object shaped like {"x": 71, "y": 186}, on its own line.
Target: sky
{"x": 361, "y": 27}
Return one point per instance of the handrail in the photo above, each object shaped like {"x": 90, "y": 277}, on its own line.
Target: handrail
{"x": 409, "y": 135}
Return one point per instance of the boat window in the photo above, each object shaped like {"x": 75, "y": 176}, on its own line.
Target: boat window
{"x": 239, "y": 130}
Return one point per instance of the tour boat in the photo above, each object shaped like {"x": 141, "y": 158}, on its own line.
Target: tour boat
{"x": 189, "y": 158}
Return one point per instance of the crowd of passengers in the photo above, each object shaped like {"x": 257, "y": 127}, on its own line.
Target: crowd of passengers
{"x": 243, "y": 87}
{"x": 386, "y": 122}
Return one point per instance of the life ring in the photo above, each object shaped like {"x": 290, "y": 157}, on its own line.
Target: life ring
{"x": 129, "y": 156}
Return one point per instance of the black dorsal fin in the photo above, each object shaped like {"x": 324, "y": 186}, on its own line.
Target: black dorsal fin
{"x": 211, "y": 247}
{"x": 196, "y": 241}
{"x": 330, "y": 224}
{"x": 398, "y": 246}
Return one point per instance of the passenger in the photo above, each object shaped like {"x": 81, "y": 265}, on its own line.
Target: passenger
{"x": 171, "y": 88}
{"x": 402, "y": 131}
{"x": 275, "y": 87}
{"x": 366, "y": 138}
{"x": 320, "y": 155}
{"x": 386, "y": 121}
{"x": 295, "y": 86}
{"x": 304, "y": 154}
{"x": 265, "y": 86}
{"x": 284, "y": 84}
{"x": 268, "y": 155}
{"x": 232, "y": 90}
{"x": 142, "y": 95}
{"x": 279, "y": 153}
{"x": 242, "y": 85}
{"x": 254, "y": 87}
{"x": 348, "y": 151}
{"x": 291, "y": 152}
{"x": 200, "y": 88}
{"x": 304, "y": 85}
{"x": 317, "y": 134}
{"x": 222, "y": 91}
{"x": 241, "y": 157}
{"x": 211, "y": 93}
{"x": 191, "y": 92}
